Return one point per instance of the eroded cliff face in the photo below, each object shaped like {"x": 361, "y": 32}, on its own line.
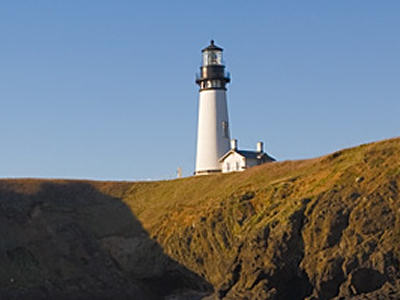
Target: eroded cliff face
{"x": 318, "y": 229}
{"x": 327, "y": 228}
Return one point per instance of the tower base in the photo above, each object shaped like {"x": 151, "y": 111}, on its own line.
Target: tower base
{"x": 207, "y": 172}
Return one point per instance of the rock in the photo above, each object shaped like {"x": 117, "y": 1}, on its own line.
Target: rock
{"x": 359, "y": 179}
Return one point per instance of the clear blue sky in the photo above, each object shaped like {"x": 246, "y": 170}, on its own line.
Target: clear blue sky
{"x": 105, "y": 89}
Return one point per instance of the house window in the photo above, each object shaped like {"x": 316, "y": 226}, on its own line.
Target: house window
{"x": 225, "y": 129}
{"x": 227, "y": 166}
{"x": 237, "y": 166}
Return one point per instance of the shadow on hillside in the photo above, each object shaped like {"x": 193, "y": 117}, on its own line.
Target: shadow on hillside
{"x": 70, "y": 241}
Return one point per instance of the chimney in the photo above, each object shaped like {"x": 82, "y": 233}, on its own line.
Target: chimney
{"x": 260, "y": 146}
{"x": 234, "y": 143}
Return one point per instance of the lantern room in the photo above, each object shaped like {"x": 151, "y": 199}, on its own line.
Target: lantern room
{"x": 212, "y": 71}
{"x": 212, "y": 55}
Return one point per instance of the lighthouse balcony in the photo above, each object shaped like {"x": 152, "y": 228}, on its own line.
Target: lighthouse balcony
{"x": 223, "y": 77}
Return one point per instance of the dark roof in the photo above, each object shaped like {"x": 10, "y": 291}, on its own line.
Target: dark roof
{"x": 250, "y": 154}
{"x": 255, "y": 154}
{"x": 212, "y": 47}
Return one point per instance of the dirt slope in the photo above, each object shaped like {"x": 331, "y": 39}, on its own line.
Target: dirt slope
{"x": 324, "y": 228}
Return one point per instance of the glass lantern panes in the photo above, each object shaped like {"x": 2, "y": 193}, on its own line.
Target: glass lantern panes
{"x": 212, "y": 57}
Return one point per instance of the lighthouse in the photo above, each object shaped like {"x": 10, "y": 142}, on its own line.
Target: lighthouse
{"x": 213, "y": 137}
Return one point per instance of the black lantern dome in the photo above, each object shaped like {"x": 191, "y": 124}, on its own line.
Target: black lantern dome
{"x": 212, "y": 46}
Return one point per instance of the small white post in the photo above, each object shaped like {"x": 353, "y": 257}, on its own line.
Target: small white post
{"x": 179, "y": 172}
{"x": 260, "y": 146}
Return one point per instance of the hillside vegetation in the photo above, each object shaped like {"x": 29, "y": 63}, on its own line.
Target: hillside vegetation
{"x": 325, "y": 228}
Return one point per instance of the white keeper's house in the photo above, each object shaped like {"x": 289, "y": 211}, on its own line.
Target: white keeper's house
{"x": 215, "y": 151}
{"x": 240, "y": 160}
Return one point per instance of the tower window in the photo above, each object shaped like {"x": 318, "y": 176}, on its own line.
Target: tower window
{"x": 225, "y": 129}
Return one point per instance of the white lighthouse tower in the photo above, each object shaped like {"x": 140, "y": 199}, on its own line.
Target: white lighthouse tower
{"x": 213, "y": 139}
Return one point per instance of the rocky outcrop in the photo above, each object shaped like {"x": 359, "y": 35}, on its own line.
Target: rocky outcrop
{"x": 327, "y": 228}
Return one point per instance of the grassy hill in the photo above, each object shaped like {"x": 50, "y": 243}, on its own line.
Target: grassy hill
{"x": 313, "y": 229}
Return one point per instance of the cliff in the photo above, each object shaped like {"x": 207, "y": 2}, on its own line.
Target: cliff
{"x": 326, "y": 228}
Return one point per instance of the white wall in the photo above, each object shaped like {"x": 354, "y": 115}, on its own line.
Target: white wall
{"x": 212, "y": 143}
{"x": 234, "y": 162}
